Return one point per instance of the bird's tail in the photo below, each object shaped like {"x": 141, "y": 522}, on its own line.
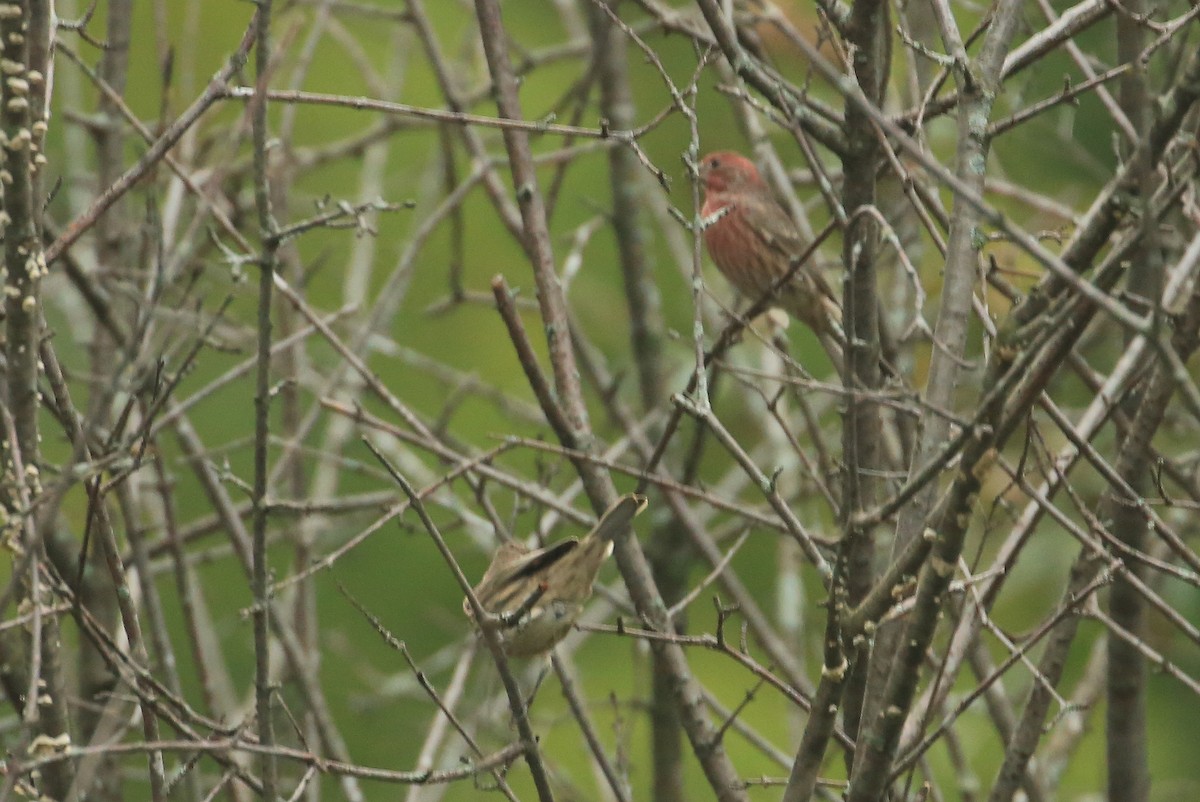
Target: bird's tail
{"x": 618, "y": 517}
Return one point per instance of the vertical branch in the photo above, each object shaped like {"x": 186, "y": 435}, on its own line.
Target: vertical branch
{"x": 870, "y": 40}
{"x": 262, "y": 402}
{"x": 24, "y": 36}
{"x": 845, "y": 665}
{"x": 113, "y": 243}
{"x": 641, "y": 294}
{"x": 24, "y": 261}
{"x": 668, "y": 556}
{"x": 112, "y": 248}
{"x": 950, "y": 337}
{"x": 822, "y": 720}
{"x": 1128, "y": 761}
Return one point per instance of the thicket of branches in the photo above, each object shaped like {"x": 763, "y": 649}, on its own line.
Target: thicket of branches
{"x": 270, "y": 375}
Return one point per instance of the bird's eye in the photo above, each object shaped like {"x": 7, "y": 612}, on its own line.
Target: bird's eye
{"x": 714, "y": 163}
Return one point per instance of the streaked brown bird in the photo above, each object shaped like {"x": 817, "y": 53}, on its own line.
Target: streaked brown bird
{"x": 754, "y": 241}
{"x": 538, "y": 594}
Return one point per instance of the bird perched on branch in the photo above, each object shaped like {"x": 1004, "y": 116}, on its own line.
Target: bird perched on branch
{"x": 535, "y": 596}
{"x": 754, "y": 244}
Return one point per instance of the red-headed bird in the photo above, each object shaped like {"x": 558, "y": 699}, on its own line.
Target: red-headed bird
{"x": 754, "y": 241}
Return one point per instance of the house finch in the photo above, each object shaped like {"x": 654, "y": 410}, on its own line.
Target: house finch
{"x": 538, "y": 594}
{"x": 754, "y": 242}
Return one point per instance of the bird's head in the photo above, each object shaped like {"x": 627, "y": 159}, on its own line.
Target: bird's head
{"x": 725, "y": 171}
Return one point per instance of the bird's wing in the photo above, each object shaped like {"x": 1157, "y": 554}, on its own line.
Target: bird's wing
{"x": 531, "y": 562}
{"x": 510, "y": 567}
{"x": 772, "y": 225}
{"x": 777, "y": 231}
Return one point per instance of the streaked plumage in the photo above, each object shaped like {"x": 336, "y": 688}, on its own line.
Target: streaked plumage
{"x": 562, "y": 574}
